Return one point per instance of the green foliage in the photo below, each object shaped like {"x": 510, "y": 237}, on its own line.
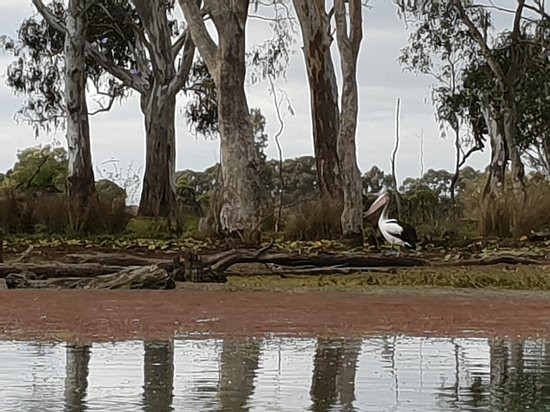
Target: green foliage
{"x": 110, "y": 191}
{"x": 37, "y": 71}
{"x": 522, "y": 278}
{"x": 375, "y": 180}
{"x": 38, "y": 168}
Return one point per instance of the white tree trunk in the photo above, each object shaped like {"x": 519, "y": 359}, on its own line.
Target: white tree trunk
{"x": 494, "y": 219}
{"x": 80, "y": 178}
{"x": 241, "y": 206}
{"x": 497, "y": 167}
{"x": 509, "y": 130}
{"x": 352, "y": 213}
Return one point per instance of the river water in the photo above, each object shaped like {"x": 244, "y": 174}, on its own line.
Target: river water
{"x": 378, "y": 373}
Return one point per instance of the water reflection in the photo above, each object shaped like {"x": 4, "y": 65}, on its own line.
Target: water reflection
{"x": 158, "y": 376}
{"x": 238, "y": 365}
{"x": 278, "y": 374}
{"x": 76, "y": 377}
{"x": 333, "y": 380}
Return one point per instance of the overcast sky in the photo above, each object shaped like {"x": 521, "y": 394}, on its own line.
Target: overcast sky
{"x": 119, "y": 134}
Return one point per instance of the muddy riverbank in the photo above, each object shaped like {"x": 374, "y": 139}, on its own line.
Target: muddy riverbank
{"x": 76, "y": 315}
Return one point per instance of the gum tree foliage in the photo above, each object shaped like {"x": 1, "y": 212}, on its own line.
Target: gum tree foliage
{"x": 532, "y": 91}
{"x": 442, "y": 48}
{"x": 36, "y": 73}
{"x": 39, "y": 168}
{"x": 498, "y": 106}
{"x": 132, "y": 46}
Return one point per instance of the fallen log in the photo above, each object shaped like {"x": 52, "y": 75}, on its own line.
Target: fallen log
{"x": 45, "y": 270}
{"x": 194, "y": 267}
{"x": 146, "y": 277}
{"x": 118, "y": 259}
{"x": 347, "y": 260}
{"x": 496, "y": 260}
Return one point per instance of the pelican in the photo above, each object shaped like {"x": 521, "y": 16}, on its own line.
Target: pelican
{"x": 395, "y": 232}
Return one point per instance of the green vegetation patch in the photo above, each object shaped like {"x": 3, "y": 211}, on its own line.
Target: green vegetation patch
{"x": 520, "y": 277}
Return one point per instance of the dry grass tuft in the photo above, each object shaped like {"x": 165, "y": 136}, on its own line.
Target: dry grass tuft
{"x": 312, "y": 220}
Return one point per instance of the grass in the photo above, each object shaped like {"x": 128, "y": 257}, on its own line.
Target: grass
{"x": 498, "y": 277}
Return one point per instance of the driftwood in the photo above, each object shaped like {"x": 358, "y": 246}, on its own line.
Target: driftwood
{"x": 496, "y": 260}
{"x": 118, "y": 259}
{"x": 44, "y": 270}
{"x": 120, "y": 270}
{"x": 146, "y": 277}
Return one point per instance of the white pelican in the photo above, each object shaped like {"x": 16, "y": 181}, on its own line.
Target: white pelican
{"x": 395, "y": 232}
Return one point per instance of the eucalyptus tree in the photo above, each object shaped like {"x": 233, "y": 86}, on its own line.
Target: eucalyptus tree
{"x": 50, "y": 70}
{"x": 315, "y": 24}
{"x": 493, "y": 81}
{"x": 500, "y": 115}
{"x": 349, "y": 42}
{"x": 143, "y": 47}
{"x": 531, "y": 97}
{"x": 80, "y": 174}
{"x": 240, "y": 209}
{"x": 442, "y": 49}
{"x": 334, "y": 125}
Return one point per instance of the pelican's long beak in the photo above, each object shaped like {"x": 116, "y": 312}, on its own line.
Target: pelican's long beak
{"x": 377, "y": 204}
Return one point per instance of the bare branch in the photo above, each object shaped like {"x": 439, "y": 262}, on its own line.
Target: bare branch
{"x": 481, "y": 41}
{"x": 102, "y": 107}
{"x": 47, "y": 14}
{"x": 202, "y": 39}
{"x": 185, "y": 64}
{"x": 133, "y": 81}
{"x": 539, "y": 9}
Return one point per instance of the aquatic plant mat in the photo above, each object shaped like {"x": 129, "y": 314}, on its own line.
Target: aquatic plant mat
{"x": 94, "y": 268}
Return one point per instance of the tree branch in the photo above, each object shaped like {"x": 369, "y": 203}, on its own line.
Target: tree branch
{"x": 47, "y": 14}
{"x": 480, "y": 40}
{"x": 185, "y": 65}
{"x": 125, "y": 76}
{"x": 120, "y": 73}
{"x": 202, "y": 39}
{"x": 539, "y": 10}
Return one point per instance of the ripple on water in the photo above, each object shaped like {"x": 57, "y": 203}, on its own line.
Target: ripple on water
{"x": 377, "y": 373}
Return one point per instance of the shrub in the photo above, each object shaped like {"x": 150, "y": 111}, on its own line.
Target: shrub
{"x": 312, "y": 220}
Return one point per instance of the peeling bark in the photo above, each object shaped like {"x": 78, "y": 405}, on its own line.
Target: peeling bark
{"x": 497, "y": 167}
{"x": 509, "y": 129}
{"x": 80, "y": 177}
{"x": 240, "y": 163}
{"x": 493, "y": 218}
{"x": 315, "y": 25}
{"x": 352, "y": 213}
{"x": 241, "y": 207}
{"x": 158, "y": 195}
{"x": 158, "y": 104}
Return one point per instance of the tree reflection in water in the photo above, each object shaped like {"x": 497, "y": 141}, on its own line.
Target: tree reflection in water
{"x": 238, "y": 368}
{"x": 333, "y": 379}
{"x": 76, "y": 377}
{"x": 158, "y": 376}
